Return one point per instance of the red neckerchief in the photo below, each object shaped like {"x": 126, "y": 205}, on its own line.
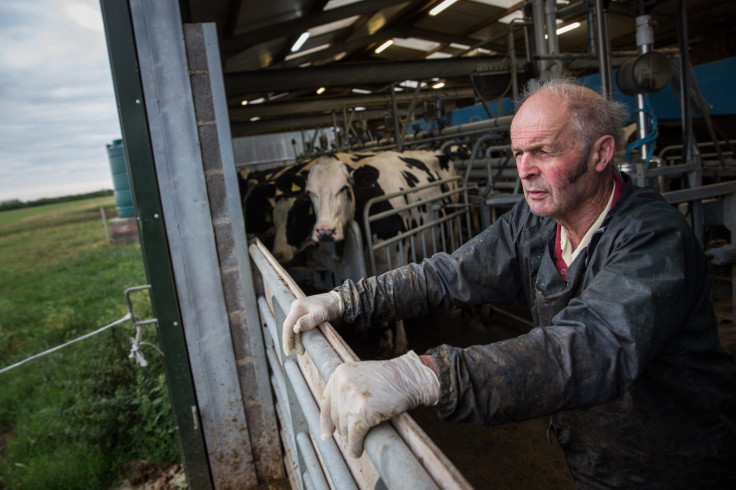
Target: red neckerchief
{"x": 560, "y": 263}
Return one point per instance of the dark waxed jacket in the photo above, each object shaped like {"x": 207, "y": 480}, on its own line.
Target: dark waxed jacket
{"x": 625, "y": 357}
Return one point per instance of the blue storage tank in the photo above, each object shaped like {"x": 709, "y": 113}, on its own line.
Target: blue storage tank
{"x": 121, "y": 185}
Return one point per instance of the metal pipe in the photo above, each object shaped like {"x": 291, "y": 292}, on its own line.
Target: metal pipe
{"x": 604, "y": 59}
{"x": 539, "y": 31}
{"x": 331, "y": 455}
{"x": 393, "y": 460}
{"x": 690, "y": 151}
{"x": 314, "y": 469}
{"x": 512, "y": 59}
{"x": 398, "y": 137}
{"x": 552, "y": 41}
{"x": 645, "y": 43}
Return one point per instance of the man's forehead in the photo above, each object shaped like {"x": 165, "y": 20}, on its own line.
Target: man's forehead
{"x": 535, "y": 127}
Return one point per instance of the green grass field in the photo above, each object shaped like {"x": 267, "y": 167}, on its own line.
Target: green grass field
{"x": 74, "y": 418}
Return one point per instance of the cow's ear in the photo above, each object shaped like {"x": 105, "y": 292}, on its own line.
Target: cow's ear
{"x": 291, "y": 185}
{"x": 365, "y": 176}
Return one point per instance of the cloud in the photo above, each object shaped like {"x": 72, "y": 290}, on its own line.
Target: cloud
{"x": 57, "y": 103}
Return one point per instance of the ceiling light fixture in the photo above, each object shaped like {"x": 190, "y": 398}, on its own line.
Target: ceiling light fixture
{"x": 384, "y": 46}
{"x": 300, "y": 42}
{"x": 438, "y": 85}
{"x": 439, "y": 8}
{"x": 244, "y": 102}
{"x": 568, "y": 27}
{"x": 320, "y": 91}
{"x": 361, "y": 91}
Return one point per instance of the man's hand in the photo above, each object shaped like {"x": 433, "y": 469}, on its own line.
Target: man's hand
{"x": 307, "y": 313}
{"x": 360, "y": 395}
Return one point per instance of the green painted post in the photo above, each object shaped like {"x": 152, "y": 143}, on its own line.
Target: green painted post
{"x": 154, "y": 245}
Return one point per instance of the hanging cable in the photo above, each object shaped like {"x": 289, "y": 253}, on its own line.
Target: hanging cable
{"x": 648, "y": 139}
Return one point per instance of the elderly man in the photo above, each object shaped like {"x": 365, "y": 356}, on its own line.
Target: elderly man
{"x": 624, "y": 356}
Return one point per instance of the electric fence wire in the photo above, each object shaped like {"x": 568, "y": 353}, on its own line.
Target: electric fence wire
{"x": 129, "y": 317}
{"x": 125, "y": 319}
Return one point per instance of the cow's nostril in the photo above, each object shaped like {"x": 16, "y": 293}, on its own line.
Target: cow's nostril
{"x": 326, "y": 234}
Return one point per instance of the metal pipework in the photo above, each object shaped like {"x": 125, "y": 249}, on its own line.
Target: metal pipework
{"x": 552, "y": 41}
{"x": 645, "y": 43}
{"x": 604, "y": 59}
{"x": 539, "y": 31}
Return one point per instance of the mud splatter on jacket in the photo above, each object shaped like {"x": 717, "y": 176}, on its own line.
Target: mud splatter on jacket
{"x": 625, "y": 357}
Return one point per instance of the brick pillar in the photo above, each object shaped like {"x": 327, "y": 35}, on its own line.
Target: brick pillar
{"x": 222, "y": 188}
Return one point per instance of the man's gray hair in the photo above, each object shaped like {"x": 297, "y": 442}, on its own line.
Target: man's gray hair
{"x": 592, "y": 114}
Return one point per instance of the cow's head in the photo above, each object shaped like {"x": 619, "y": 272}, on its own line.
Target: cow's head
{"x": 329, "y": 187}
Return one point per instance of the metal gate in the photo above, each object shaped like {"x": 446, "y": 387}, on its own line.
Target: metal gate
{"x": 398, "y": 454}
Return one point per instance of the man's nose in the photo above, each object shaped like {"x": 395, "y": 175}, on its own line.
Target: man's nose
{"x": 526, "y": 167}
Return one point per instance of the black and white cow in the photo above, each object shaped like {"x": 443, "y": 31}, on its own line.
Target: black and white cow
{"x": 340, "y": 193}
{"x": 293, "y": 215}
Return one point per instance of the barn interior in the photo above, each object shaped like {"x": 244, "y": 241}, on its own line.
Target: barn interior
{"x": 303, "y": 78}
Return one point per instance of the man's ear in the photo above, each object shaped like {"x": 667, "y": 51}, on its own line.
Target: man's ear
{"x": 603, "y": 151}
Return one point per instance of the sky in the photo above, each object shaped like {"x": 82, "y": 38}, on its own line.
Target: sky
{"x": 57, "y": 102}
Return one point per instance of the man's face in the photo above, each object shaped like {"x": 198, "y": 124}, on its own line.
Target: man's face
{"x": 556, "y": 180}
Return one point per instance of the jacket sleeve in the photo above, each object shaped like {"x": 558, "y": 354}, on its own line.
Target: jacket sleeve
{"x": 650, "y": 279}
{"x": 483, "y": 270}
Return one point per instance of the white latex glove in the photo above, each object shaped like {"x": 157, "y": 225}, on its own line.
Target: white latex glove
{"x": 307, "y": 313}
{"x": 360, "y": 395}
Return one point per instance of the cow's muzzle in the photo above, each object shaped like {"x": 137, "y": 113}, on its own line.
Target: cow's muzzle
{"x": 325, "y": 234}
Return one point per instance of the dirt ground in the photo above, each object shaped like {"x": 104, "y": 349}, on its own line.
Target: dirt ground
{"x": 140, "y": 475}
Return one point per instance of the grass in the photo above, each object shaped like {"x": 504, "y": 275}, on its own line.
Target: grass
{"x": 74, "y": 418}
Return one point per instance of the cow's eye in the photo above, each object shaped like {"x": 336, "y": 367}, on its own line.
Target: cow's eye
{"x": 345, "y": 189}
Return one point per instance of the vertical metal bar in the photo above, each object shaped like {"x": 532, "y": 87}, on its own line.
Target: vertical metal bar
{"x": 154, "y": 244}
{"x": 331, "y": 455}
{"x": 443, "y": 238}
{"x": 398, "y": 137}
{"x": 604, "y": 58}
{"x": 539, "y": 31}
{"x": 690, "y": 151}
{"x": 552, "y": 41}
{"x": 452, "y": 236}
{"x": 314, "y": 469}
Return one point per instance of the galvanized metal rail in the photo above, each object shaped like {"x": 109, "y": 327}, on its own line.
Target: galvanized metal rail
{"x": 445, "y": 229}
{"x": 398, "y": 455}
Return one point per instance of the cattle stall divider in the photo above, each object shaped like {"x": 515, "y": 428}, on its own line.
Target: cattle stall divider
{"x": 444, "y": 227}
{"x": 398, "y": 454}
